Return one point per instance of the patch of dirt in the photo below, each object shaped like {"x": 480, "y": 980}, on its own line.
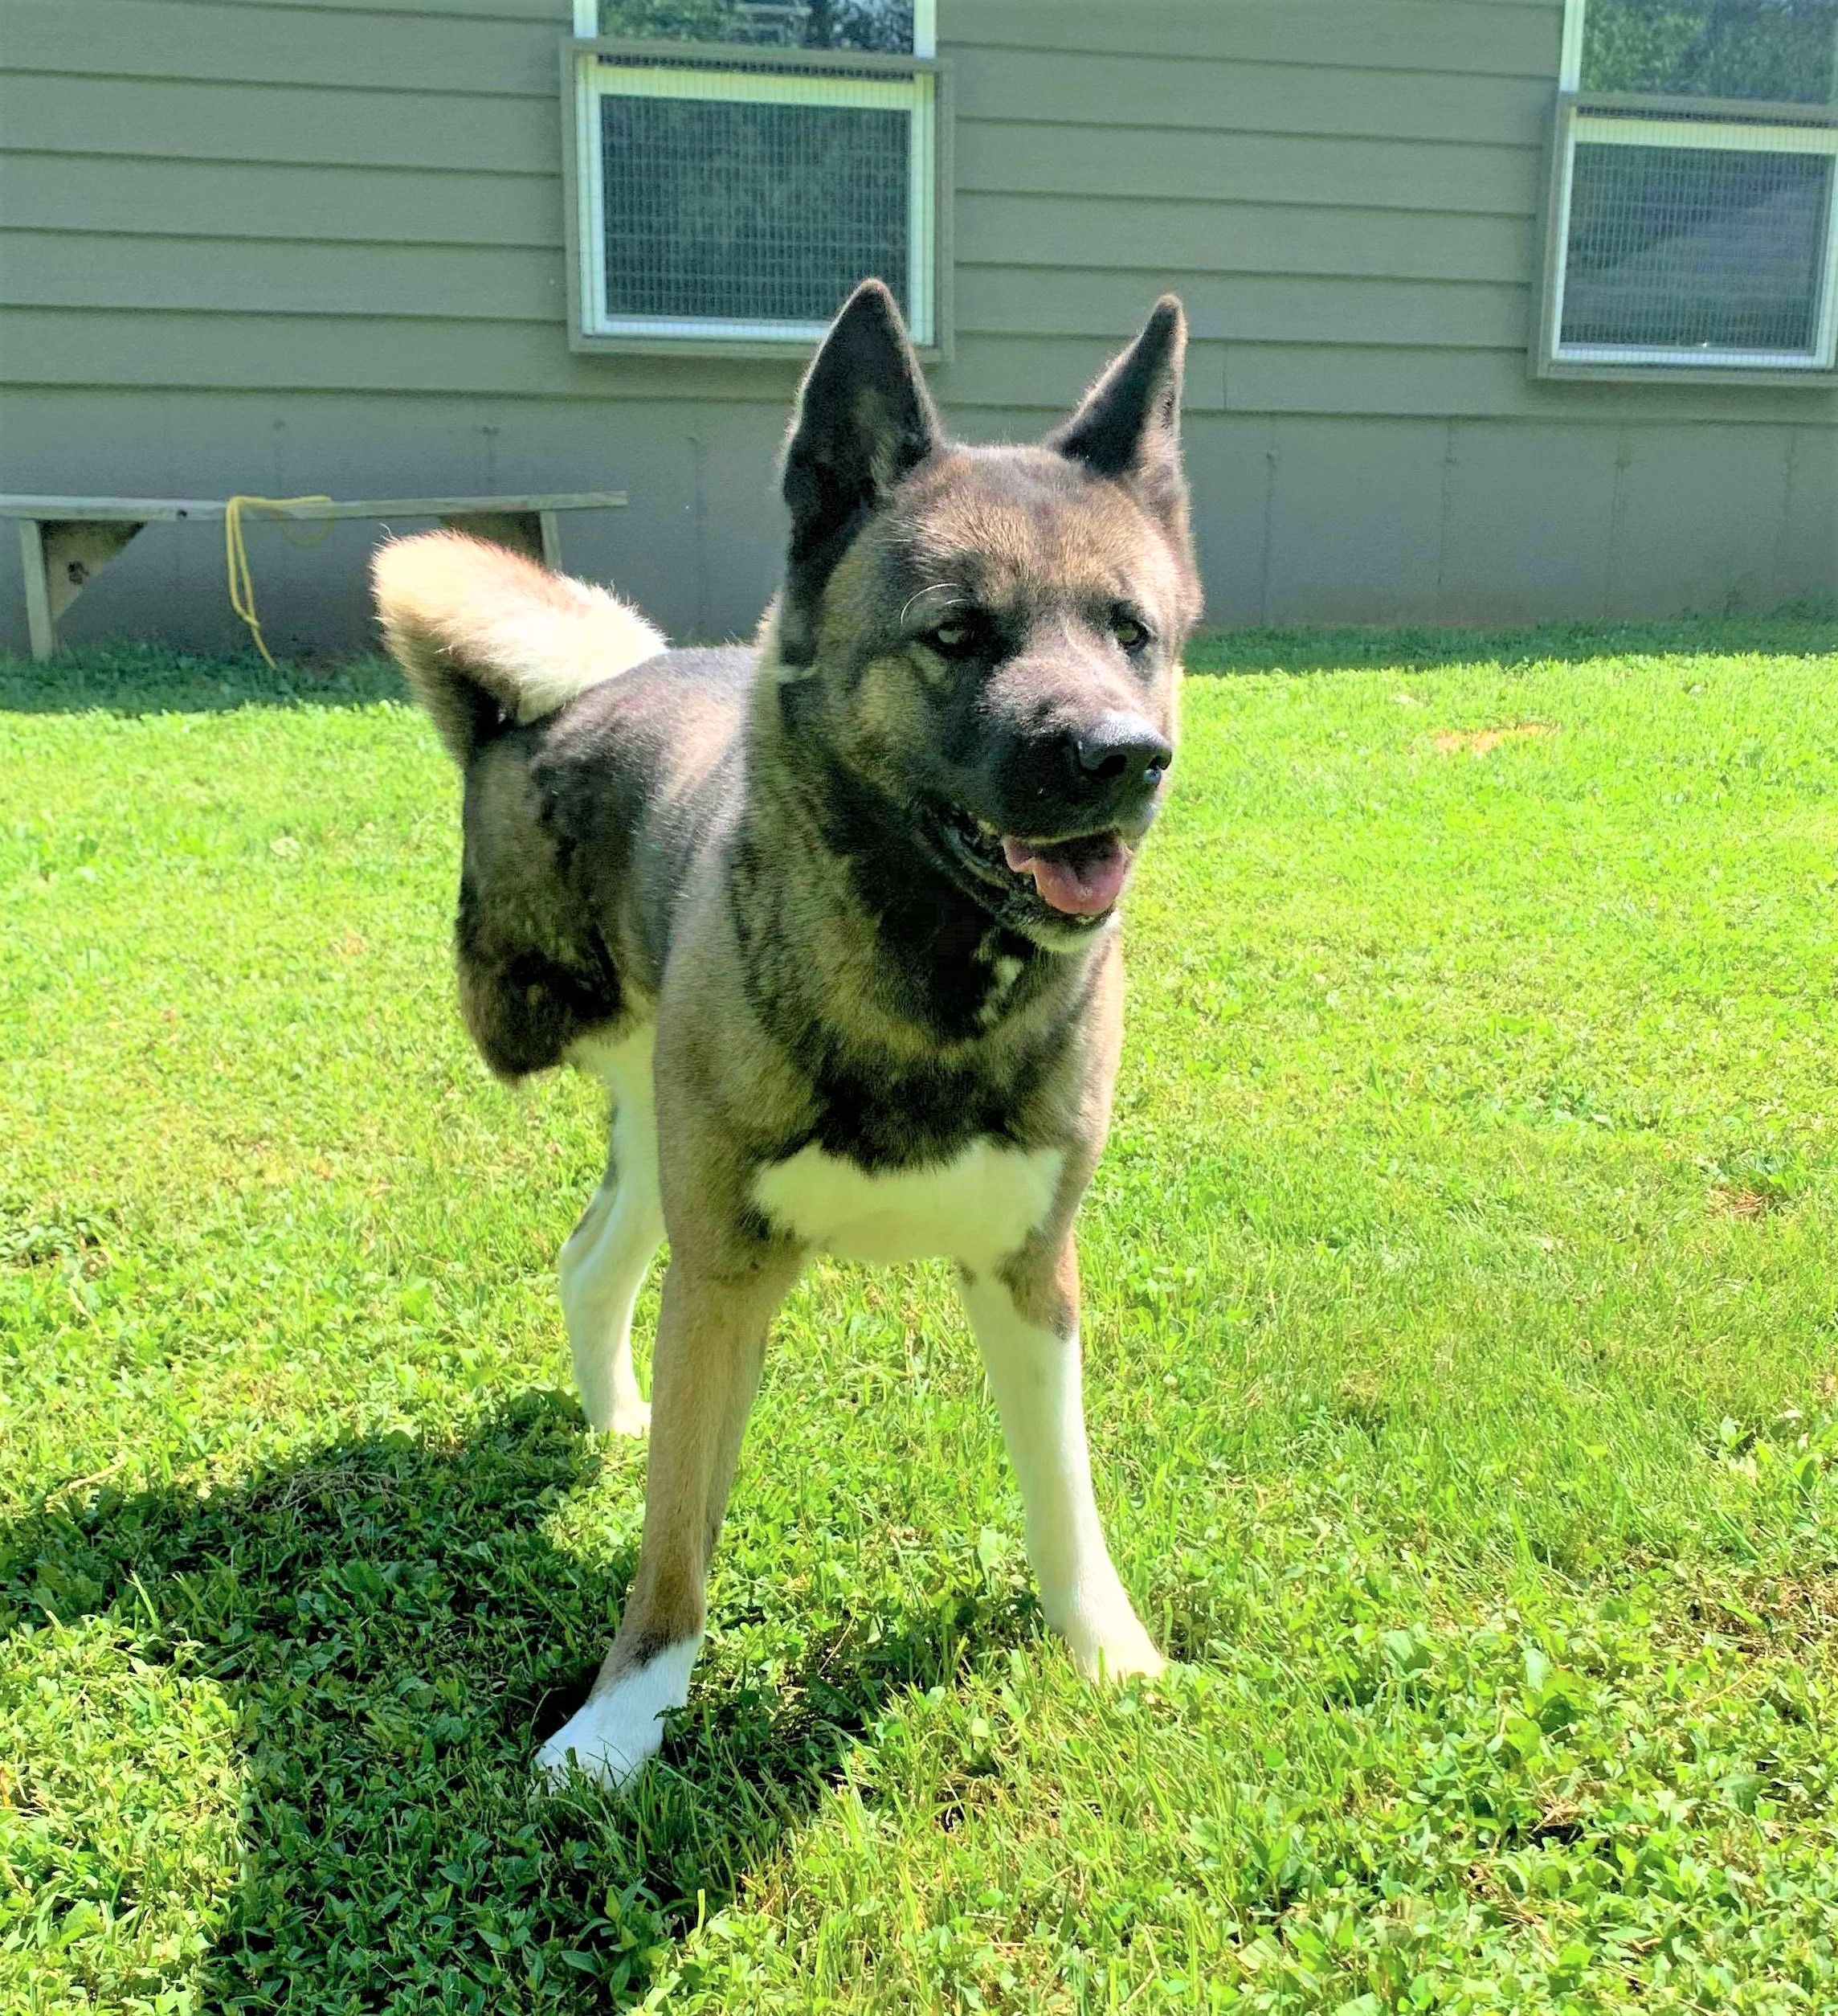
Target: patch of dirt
{"x": 1734, "y": 1200}
{"x": 1794, "y": 1614}
{"x": 1478, "y": 742}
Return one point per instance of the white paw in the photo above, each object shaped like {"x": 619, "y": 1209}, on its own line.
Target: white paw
{"x": 1113, "y": 1648}
{"x": 621, "y": 1726}
{"x": 620, "y": 1414}
{"x": 629, "y": 1417}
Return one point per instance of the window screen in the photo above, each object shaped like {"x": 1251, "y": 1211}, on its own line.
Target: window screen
{"x": 728, "y": 195}
{"x": 1694, "y": 248}
{"x": 750, "y": 212}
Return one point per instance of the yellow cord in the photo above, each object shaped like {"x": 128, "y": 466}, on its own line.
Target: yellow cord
{"x": 236, "y": 559}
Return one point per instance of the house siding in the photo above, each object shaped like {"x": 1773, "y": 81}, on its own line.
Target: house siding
{"x": 281, "y": 246}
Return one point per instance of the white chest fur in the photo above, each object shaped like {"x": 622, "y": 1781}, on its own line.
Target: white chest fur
{"x": 978, "y": 1207}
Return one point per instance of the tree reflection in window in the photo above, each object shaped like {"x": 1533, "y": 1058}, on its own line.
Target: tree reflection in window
{"x": 1785, "y": 51}
{"x": 882, "y": 25}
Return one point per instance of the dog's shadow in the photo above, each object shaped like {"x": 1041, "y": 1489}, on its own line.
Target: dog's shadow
{"x": 396, "y": 1631}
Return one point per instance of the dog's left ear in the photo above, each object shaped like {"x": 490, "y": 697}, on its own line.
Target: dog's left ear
{"x": 863, "y": 419}
{"x": 1129, "y": 425}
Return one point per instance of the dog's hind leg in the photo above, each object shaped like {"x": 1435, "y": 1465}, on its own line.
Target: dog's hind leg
{"x": 604, "y": 1263}
{"x": 1028, "y": 1331}
{"x": 711, "y": 1344}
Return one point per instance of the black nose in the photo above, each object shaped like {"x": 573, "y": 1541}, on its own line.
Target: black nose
{"x": 1118, "y": 751}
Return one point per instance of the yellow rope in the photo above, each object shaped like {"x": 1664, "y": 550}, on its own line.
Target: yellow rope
{"x": 236, "y": 558}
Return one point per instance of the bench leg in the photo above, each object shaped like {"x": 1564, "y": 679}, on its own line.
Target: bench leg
{"x": 39, "y": 625}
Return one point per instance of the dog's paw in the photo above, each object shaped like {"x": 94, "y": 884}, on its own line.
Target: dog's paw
{"x": 610, "y": 1757}
{"x": 620, "y": 1727}
{"x": 1118, "y": 1649}
{"x": 621, "y": 1415}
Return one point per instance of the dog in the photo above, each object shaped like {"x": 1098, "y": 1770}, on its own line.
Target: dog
{"x": 834, "y": 918}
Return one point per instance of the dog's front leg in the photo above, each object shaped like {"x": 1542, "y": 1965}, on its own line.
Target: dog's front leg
{"x": 711, "y": 1344}
{"x": 1027, "y": 1326}
{"x": 604, "y": 1266}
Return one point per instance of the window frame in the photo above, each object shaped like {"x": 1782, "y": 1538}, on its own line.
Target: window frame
{"x": 927, "y": 292}
{"x": 1636, "y": 118}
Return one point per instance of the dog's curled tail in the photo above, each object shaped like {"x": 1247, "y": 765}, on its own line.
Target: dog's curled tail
{"x": 486, "y": 638}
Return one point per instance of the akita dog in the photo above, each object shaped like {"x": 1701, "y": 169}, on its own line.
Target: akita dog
{"x": 834, "y": 918}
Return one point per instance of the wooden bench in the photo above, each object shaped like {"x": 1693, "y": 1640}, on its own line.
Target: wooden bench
{"x": 65, "y": 542}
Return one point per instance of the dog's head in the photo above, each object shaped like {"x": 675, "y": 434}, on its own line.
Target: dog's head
{"x": 991, "y": 637}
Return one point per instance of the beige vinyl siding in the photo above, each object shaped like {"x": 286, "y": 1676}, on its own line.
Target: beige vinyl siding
{"x": 1488, "y": 37}
{"x": 75, "y": 195}
{"x": 382, "y": 163}
{"x": 1290, "y": 170}
{"x": 1175, "y": 94}
{"x": 77, "y": 115}
{"x": 507, "y": 53}
{"x": 264, "y": 244}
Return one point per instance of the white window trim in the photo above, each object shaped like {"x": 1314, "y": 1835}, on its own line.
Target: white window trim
{"x": 924, "y": 24}
{"x": 1587, "y": 128}
{"x": 1578, "y": 124}
{"x": 1569, "y": 62}
{"x": 593, "y": 72}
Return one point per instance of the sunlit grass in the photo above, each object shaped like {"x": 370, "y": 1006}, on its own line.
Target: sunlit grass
{"x": 1463, "y": 1341}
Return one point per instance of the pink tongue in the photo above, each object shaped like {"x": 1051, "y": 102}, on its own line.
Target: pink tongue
{"x": 1084, "y": 889}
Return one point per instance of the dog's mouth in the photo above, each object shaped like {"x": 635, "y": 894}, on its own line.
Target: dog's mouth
{"x": 1074, "y": 881}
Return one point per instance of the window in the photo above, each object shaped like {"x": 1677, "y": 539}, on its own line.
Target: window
{"x": 737, "y": 165}
{"x": 1692, "y": 228}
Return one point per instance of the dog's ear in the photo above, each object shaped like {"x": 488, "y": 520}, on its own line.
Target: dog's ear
{"x": 863, "y": 419}
{"x": 1128, "y": 426}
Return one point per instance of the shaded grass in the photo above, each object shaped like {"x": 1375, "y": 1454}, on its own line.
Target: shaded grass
{"x": 1454, "y": 1424}
{"x": 129, "y": 676}
{"x": 137, "y": 678}
{"x": 1804, "y": 632}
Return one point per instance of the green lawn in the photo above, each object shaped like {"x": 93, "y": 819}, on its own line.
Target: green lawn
{"x": 1462, "y": 1323}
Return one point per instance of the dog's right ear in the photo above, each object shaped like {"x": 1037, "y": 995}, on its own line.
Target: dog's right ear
{"x": 863, "y": 420}
{"x": 1128, "y": 426}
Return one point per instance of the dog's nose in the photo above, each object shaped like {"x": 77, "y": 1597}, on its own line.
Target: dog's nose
{"x": 1119, "y": 749}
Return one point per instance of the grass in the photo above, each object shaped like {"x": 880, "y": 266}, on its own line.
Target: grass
{"x": 1463, "y": 1327}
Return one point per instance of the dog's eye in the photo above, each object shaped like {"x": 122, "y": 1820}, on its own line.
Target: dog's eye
{"x": 1132, "y": 634}
{"x": 954, "y": 639}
